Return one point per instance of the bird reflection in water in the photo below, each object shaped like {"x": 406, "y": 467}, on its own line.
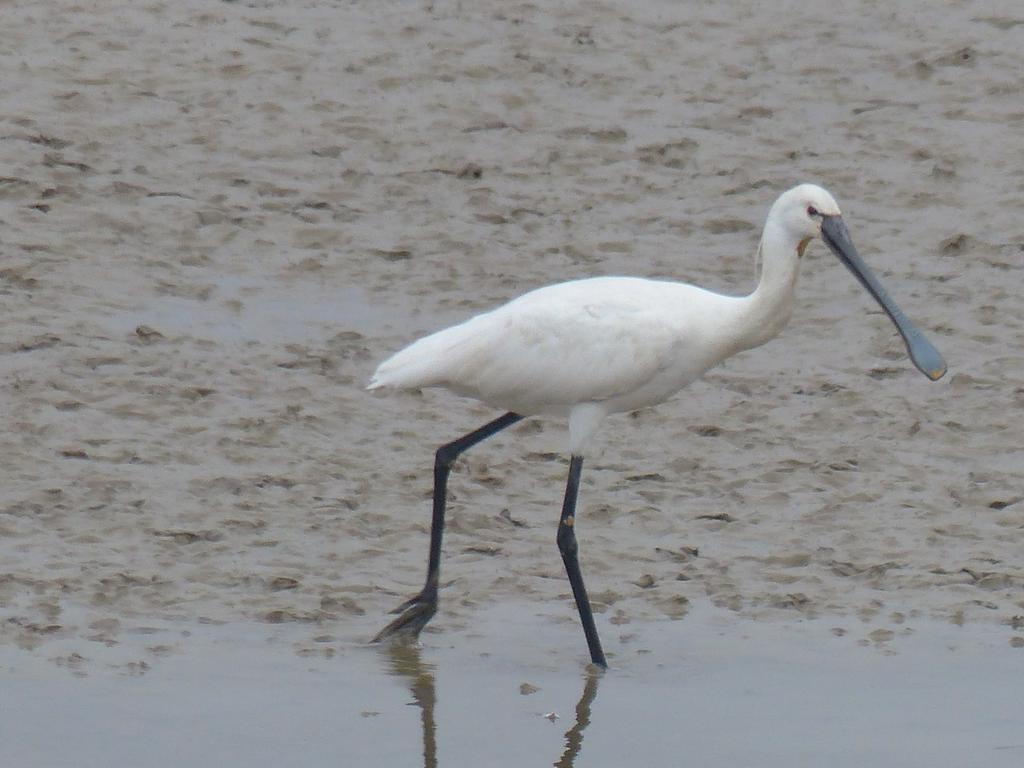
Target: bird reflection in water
{"x": 404, "y": 661}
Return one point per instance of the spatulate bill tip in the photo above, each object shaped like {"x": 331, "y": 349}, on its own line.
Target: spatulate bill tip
{"x": 930, "y": 363}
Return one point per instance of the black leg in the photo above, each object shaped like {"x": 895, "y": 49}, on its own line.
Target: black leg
{"x": 416, "y": 612}
{"x": 567, "y": 546}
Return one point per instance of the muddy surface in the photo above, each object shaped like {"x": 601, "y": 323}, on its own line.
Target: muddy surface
{"x": 219, "y": 217}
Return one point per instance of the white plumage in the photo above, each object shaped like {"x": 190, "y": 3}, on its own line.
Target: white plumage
{"x": 619, "y": 343}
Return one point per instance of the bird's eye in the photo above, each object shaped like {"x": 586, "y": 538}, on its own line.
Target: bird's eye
{"x": 812, "y": 211}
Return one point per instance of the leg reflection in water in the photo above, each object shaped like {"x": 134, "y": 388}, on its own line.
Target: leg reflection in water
{"x": 403, "y": 660}
{"x": 574, "y": 736}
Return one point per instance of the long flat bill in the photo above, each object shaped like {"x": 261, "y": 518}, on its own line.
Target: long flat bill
{"x": 922, "y": 353}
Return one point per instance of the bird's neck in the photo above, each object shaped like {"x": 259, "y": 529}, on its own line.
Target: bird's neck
{"x": 766, "y": 311}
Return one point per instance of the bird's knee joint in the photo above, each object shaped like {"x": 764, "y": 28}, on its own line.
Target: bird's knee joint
{"x": 445, "y": 457}
{"x": 566, "y": 538}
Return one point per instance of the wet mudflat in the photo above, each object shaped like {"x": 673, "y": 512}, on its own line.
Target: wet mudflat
{"x": 217, "y": 219}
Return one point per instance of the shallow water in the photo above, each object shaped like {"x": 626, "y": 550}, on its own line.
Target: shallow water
{"x": 237, "y": 310}
{"x": 716, "y": 693}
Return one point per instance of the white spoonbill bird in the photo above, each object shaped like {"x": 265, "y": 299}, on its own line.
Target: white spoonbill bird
{"x": 588, "y": 348}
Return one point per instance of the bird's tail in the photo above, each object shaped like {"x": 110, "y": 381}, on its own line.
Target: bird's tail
{"x": 429, "y": 362}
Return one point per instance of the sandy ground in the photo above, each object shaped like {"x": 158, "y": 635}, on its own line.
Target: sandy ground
{"x": 218, "y": 217}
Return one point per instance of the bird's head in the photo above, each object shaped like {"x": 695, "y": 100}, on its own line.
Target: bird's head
{"x": 807, "y": 212}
